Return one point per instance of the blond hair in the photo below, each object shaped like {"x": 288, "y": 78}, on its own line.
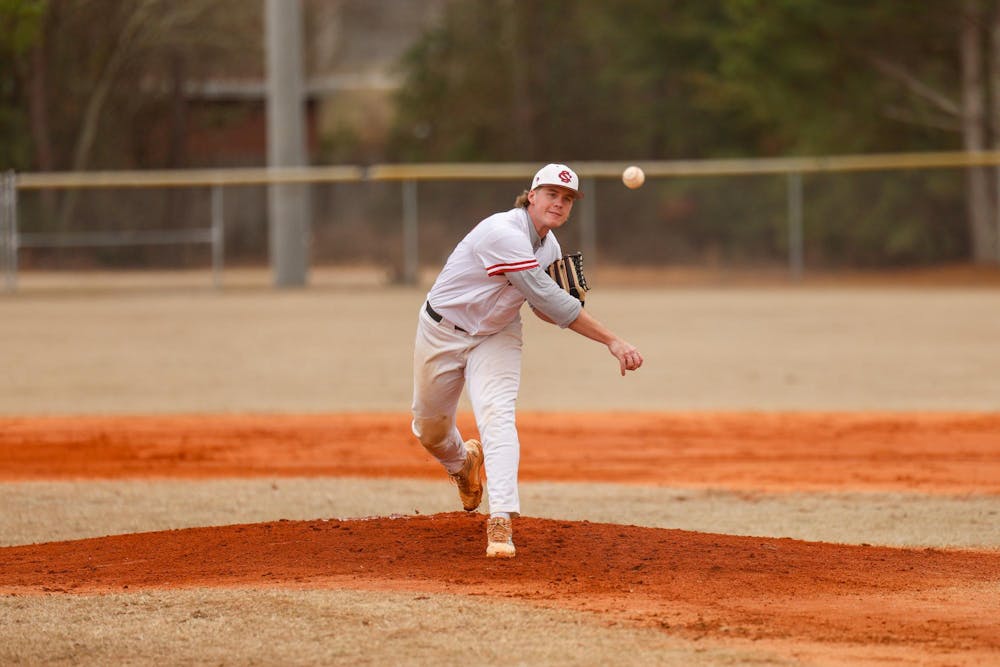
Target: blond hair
{"x": 522, "y": 200}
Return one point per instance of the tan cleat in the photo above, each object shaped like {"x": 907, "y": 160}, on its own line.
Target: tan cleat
{"x": 470, "y": 478}
{"x": 500, "y": 538}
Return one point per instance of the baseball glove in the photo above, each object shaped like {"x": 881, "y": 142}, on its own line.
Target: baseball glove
{"x": 568, "y": 274}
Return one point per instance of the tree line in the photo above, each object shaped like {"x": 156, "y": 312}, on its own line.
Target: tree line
{"x": 534, "y": 80}
{"x": 681, "y": 80}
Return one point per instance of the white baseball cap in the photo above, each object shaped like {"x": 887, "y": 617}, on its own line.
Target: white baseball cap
{"x": 558, "y": 175}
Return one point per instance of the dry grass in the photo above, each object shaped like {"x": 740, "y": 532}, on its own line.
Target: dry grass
{"x": 273, "y": 627}
{"x": 53, "y": 511}
{"x": 351, "y": 349}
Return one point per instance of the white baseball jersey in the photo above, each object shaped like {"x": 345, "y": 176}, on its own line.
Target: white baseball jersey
{"x": 472, "y": 289}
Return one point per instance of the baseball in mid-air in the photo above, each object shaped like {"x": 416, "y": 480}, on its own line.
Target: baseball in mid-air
{"x": 633, "y": 177}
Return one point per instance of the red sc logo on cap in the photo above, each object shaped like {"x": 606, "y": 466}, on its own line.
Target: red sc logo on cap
{"x": 565, "y": 177}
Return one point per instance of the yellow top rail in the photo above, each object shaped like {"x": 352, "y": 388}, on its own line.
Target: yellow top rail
{"x": 498, "y": 171}
{"x": 180, "y": 178}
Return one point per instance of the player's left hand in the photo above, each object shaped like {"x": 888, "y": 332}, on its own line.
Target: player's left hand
{"x": 628, "y": 356}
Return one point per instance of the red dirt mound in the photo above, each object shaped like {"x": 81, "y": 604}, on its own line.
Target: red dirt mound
{"x": 928, "y": 453}
{"x": 696, "y": 584}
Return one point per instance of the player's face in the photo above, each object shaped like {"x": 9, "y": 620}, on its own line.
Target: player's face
{"x": 550, "y": 206}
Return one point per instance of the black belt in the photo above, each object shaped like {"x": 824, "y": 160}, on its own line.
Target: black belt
{"x": 436, "y": 316}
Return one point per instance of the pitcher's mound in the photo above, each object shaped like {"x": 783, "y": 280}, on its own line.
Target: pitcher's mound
{"x": 690, "y": 583}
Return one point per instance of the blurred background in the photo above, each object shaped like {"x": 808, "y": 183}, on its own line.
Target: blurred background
{"x": 91, "y": 86}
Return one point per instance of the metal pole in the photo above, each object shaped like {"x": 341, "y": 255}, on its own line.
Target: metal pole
{"x": 588, "y": 222}
{"x": 218, "y": 235}
{"x": 795, "y": 236}
{"x": 8, "y": 229}
{"x": 12, "y": 225}
{"x": 996, "y": 235}
{"x": 286, "y": 141}
{"x": 411, "y": 263}
{"x": 3, "y": 228}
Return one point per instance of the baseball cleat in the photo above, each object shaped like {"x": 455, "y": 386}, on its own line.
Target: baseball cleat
{"x": 500, "y": 538}
{"x": 470, "y": 478}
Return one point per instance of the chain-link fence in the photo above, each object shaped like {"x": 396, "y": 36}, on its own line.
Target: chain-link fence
{"x": 832, "y": 213}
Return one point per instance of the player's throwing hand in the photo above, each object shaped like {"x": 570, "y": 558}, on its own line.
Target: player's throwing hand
{"x": 628, "y": 355}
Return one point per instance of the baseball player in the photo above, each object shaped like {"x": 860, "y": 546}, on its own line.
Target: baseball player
{"x": 469, "y": 334}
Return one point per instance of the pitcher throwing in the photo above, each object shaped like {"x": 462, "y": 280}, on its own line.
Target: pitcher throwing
{"x": 469, "y": 333}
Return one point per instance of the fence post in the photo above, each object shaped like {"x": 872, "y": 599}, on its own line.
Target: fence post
{"x": 795, "y": 236}
{"x": 3, "y": 228}
{"x": 588, "y": 222}
{"x": 218, "y": 235}
{"x": 411, "y": 265}
{"x": 996, "y": 235}
{"x": 8, "y": 229}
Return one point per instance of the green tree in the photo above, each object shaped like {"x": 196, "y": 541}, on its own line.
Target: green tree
{"x": 873, "y": 76}
{"x": 669, "y": 79}
{"x": 508, "y": 80}
{"x": 20, "y": 27}
{"x": 663, "y": 79}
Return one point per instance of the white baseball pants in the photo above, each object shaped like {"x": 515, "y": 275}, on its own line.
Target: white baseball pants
{"x": 444, "y": 361}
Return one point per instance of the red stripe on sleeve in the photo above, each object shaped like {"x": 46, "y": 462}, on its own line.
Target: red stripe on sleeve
{"x": 526, "y": 263}
{"x": 497, "y": 269}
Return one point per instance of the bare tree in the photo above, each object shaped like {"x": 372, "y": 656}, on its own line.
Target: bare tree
{"x": 974, "y": 113}
{"x": 980, "y": 205}
{"x": 135, "y": 51}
